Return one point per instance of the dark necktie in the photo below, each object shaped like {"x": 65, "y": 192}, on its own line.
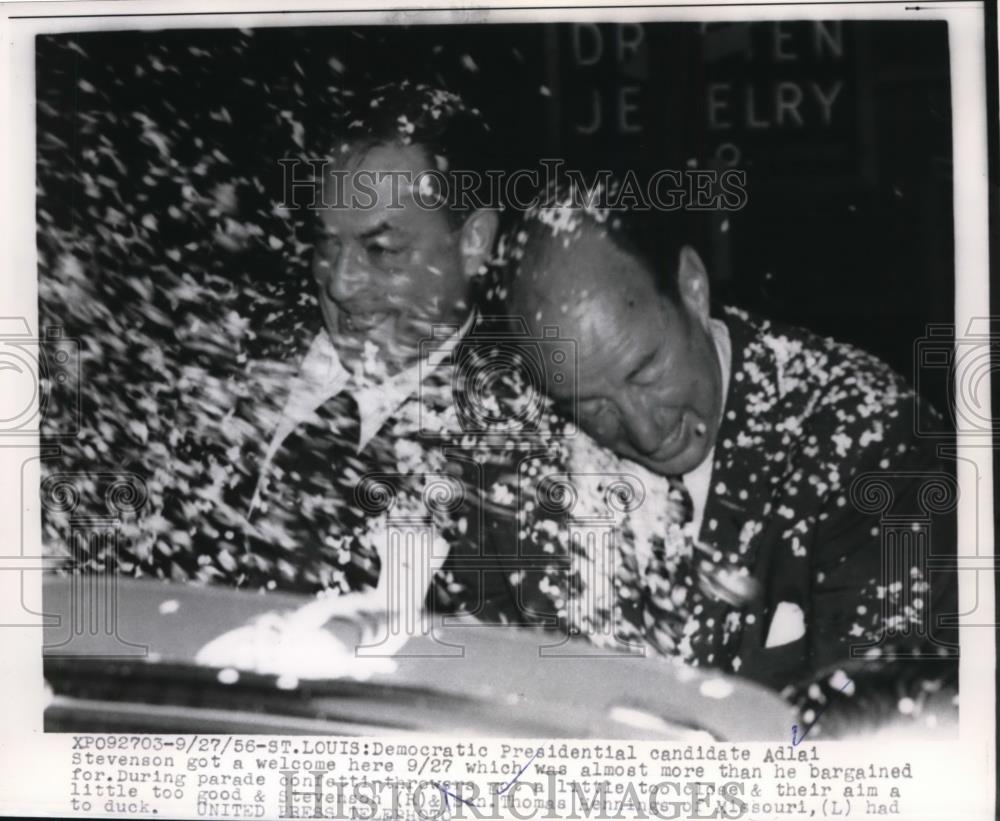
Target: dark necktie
{"x": 305, "y": 502}
{"x": 311, "y": 451}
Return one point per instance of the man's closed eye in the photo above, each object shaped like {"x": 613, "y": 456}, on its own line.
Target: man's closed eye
{"x": 647, "y": 371}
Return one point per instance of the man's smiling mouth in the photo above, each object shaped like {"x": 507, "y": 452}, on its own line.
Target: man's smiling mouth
{"x": 668, "y": 445}
{"x": 363, "y": 322}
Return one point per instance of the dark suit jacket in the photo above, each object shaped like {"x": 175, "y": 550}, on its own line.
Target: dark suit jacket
{"x": 822, "y": 488}
{"x": 320, "y": 495}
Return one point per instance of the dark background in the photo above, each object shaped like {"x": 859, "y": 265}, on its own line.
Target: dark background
{"x": 847, "y": 227}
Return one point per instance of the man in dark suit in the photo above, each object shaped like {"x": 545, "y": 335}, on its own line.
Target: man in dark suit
{"x": 797, "y": 453}
{"x": 398, "y": 260}
{"x": 372, "y": 439}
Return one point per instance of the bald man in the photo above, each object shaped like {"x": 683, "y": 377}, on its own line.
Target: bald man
{"x": 779, "y": 437}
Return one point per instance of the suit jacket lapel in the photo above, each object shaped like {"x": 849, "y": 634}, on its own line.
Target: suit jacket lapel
{"x": 737, "y": 510}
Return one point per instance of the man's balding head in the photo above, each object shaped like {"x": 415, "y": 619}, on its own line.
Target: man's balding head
{"x": 563, "y": 277}
{"x": 648, "y": 383}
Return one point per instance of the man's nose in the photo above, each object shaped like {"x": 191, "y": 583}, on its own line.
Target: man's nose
{"x": 645, "y": 424}
{"x": 343, "y": 278}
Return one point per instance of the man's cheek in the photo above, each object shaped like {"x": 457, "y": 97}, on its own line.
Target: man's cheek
{"x": 606, "y": 434}
{"x": 329, "y": 312}
{"x": 418, "y": 312}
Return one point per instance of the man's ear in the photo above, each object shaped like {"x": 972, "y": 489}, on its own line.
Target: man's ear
{"x": 692, "y": 282}
{"x": 476, "y": 242}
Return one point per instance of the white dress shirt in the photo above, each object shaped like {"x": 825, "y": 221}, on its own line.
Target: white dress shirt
{"x": 323, "y": 376}
{"x": 698, "y": 481}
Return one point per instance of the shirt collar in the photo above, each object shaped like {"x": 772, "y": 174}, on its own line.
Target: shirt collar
{"x": 323, "y": 376}
{"x": 379, "y": 401}
{"x": 698, "y": 479}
